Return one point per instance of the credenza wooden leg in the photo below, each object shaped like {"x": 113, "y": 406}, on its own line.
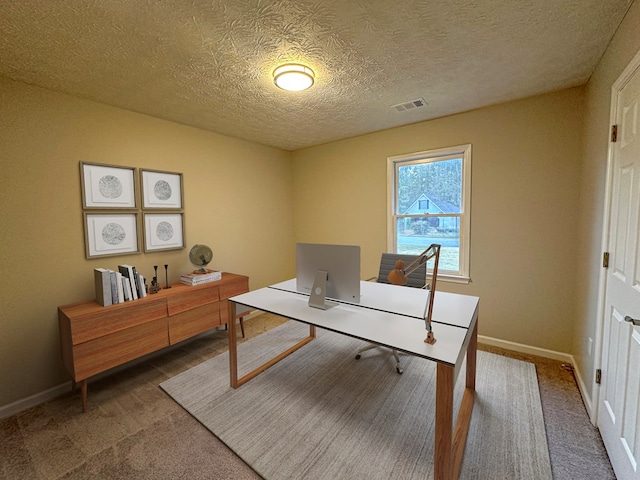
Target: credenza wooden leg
{"x": 83, "y": 394}
{"x": 242, "y": 326}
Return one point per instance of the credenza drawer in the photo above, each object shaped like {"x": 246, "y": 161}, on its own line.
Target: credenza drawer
{"x": 192, "y": 297}
{"x": 101, "y": 321}
{"x": 100, "y": 354}
{"x": 192, "y": 322}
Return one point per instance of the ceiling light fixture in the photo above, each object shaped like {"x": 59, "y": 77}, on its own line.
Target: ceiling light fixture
{"x": 293, "y": 77}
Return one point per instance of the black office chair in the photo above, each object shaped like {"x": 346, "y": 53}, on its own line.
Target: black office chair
{"x": 414, "y": 274}
{"x": 416, "y": 278}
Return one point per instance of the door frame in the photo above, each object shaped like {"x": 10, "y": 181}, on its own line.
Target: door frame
{"x": 627, "y": 73}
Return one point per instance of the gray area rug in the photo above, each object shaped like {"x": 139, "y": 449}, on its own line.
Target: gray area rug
{"x": 321, "y": 414}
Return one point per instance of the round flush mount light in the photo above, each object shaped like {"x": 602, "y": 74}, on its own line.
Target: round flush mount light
{"x": 293, "y": 77}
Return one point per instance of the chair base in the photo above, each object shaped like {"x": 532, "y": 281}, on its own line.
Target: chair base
{"x": 399, "y": 368}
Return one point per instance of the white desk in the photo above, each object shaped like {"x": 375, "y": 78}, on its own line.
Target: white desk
{"x": 391, "y": 316}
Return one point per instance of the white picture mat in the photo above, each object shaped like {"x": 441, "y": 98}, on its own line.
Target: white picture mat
{"x": 102, "y": 183}
{"x": 161, "y": 189}
{"x": 163, "y": 231}
{"x": 111, "y": 234}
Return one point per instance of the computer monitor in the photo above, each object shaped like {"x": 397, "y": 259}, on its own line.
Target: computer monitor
{"x": 342, "y": 266}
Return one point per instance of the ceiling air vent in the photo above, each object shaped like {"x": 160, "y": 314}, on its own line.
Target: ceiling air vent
{"x": 410, "y": 105}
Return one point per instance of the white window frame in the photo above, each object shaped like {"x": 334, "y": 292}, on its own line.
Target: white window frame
{"x": 394, "y": 162}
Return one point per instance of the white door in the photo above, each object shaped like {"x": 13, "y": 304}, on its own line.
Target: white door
{"x": 619, "y": 409}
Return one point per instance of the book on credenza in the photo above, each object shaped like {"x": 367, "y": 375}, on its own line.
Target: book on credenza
{"x": 102, "y": 278}
{"x": 200, "y": 278}
{"x": 120, "y": 287}
{"x": 114, "y": 287}
{"x": 129, "y": 271}
{"x": 142, "y": 291}
{"x": 126, "y": 286}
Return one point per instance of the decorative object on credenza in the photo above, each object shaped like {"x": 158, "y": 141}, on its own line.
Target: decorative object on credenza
{"x": 154, "y": 288}
{"x": 200, "y": 256}
{"x": 398, "y": 276}
{"x": 166, "y": 276}
{"x": 110, "y": 234}
{"x": 161, "y": 190}
{"x": 107, "y": 186}
{"x": 163, "y": 231}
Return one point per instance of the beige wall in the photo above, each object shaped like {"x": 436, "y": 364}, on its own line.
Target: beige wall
{"x": 525, "y": 177}
{"x": 623, "y": 47}
{"x": 537, "y": 204}
{"x": 238, "y": 201}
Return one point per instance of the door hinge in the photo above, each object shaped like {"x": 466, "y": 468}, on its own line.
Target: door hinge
{"x": 605, "y": 259}
{"x": 614, "y": 133}
{"x": 598, "y": 376}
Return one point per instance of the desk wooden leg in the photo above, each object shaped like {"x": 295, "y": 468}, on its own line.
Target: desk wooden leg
{"x": 466, "y": 407}
{"x": 450, "y": 443}
{"x": 472, "y": 351}
{"x": 233, "y": 346}
{"x": 444, "y": 420}
{"x": 233, "y": 352}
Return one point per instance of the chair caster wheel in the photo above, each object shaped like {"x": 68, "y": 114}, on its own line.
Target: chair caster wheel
{"x": 399, "y": 370}
{"x": 358, "y": 357}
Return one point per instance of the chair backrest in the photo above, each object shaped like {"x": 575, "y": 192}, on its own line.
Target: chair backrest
{"x": 417, "y": 278}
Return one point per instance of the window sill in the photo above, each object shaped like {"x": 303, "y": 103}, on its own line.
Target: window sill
{"x": 453, "y": 279}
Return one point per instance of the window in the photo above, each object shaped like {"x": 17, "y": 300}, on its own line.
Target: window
{"x": 429, "y": 202}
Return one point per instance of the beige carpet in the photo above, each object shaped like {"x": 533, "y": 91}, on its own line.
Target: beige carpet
{"x": 322, "y": 414}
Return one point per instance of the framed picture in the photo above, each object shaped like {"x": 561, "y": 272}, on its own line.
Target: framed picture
{"x": 161, "y": 189}
{"x": 163, "y": 231}
{"x": 110, "y": 234}
{"x": 107, "y": 186}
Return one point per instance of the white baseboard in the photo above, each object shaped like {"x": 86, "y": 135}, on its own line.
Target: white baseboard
{"x": 543, "y": 352}
{"x": 584, "y": 394}
{"x": 521, "y": 348}
{"x": 34, "y": 400}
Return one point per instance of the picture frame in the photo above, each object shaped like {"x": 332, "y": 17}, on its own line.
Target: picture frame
{"x": 163, "y": 231}
{"x": 109, "y": 234}
{"x": 161, "y": 190}
{"x": 108, "y": 186}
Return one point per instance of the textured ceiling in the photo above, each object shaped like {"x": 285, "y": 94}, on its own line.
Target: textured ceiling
{"x": 209, "y": 63}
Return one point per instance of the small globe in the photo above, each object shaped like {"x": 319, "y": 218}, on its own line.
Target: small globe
{"x": 200, "y": 256}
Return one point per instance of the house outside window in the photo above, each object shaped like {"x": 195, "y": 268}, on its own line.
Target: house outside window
{"x": 429, "y": 202}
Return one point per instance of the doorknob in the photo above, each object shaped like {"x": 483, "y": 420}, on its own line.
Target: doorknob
{"x": 636, "y": 322}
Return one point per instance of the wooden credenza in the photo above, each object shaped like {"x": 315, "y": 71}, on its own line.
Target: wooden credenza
{"x": 94, "y": 338}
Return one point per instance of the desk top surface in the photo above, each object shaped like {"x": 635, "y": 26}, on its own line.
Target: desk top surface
{"x": 382, "y": 317}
